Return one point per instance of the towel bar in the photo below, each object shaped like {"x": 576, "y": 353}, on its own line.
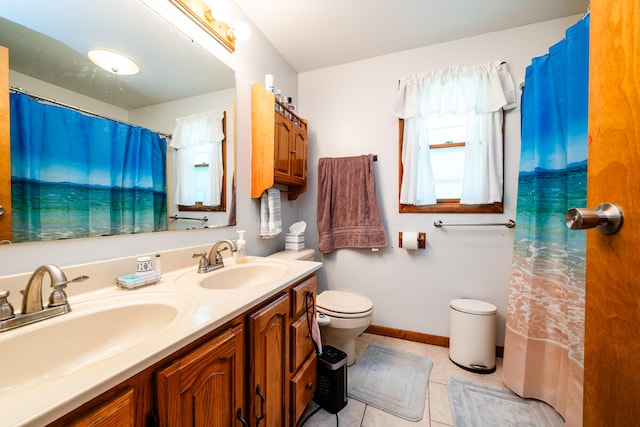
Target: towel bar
{"x": 509, "y": 224}
{"x": 176, "y": 217}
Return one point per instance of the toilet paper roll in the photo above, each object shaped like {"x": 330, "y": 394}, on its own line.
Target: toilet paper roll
{"x": 410, "y": 240}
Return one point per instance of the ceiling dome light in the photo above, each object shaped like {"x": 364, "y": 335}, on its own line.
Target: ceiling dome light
{"x": 113, "y": 62}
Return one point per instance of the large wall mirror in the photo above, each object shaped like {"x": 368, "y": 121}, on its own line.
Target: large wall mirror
{"x": 48, "y": 44}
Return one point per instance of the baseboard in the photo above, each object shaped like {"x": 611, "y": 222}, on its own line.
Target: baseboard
{"x": 417, "y": 337}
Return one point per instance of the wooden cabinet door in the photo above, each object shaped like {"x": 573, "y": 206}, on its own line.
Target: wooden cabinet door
{"x": 205, "y": 387}
{"x": 269, "y": 349}
{"x": 117, "y": 411}
{"x": 298, "y": 151}
{"x": 282, "y": 149}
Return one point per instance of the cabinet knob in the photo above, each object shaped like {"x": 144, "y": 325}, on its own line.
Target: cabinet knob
{"x": 294, "y": 152}
{"x": 309, "y": 386}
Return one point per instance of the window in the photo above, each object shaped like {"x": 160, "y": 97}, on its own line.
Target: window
{"x": 201, "y": 152}
{"x": 446, "y": 145}
{"x": 451, "y": 138}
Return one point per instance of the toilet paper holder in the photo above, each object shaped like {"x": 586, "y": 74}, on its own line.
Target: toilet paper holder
{"x": 422, "y": 240}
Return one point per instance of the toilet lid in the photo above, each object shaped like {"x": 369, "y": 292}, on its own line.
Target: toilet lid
{"x": 343, "y": 302}
{"x": 473, "y": 306}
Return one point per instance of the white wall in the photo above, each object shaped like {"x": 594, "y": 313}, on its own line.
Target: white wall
{"x": 350, "y": 108}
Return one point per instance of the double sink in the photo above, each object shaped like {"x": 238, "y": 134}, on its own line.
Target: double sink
{"x": 111, "y": 334}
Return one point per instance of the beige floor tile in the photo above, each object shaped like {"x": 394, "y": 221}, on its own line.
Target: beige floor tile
{"x": 439, "y": 406}
{"x": 443, "y": 366}
{"x": 408, "y": 346}
{"x": 350, "y": 416}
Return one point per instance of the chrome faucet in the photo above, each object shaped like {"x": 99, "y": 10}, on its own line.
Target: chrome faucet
{"x": 214, "y": 260}
{"x": 32, "y": 307}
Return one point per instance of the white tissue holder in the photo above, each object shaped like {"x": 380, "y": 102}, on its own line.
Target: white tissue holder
{"x": 294, "y": 242}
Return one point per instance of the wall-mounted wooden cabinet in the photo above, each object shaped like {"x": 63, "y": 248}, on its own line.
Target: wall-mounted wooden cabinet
{"x": 278, "y": 145}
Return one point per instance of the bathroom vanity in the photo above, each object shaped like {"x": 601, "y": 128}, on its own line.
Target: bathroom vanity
{"x": 235, "y": 348}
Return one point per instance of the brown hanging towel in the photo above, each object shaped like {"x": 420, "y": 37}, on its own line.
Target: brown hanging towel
{"x": 348, "y": 211}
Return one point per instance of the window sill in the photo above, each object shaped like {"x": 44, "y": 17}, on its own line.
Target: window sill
{"x": 452, "y": 206}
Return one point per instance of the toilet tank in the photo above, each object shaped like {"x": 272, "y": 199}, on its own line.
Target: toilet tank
{"x": 303, "y": 255}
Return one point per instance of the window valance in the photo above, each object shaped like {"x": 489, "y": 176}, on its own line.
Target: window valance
{"x": 196, "y": 129}
{"x": 483, "y": 88}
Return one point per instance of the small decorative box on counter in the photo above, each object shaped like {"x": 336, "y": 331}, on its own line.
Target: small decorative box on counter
{"x": 294, "y": 242}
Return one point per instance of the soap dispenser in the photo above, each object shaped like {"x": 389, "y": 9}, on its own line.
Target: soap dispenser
{"x": 241, "y": 254}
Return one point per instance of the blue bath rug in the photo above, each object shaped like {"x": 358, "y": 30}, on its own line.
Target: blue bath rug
{"x": 476, "y": 404}
{"x": 391, "y": 380}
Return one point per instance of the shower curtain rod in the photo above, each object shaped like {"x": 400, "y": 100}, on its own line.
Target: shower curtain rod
{"x": 80, "y": 110}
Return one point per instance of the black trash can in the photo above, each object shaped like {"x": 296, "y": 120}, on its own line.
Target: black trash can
{"x": 331, "y": 389}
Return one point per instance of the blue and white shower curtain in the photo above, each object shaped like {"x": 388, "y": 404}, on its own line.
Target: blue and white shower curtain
{"x": 74, "y": 175}
{"x": 544, "y": 338}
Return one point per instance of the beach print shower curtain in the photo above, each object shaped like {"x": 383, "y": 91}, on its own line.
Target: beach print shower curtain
{"x": 544, "y": 338}
{"x": 74, "y": 175}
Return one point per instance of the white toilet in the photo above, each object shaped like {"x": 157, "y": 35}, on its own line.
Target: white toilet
{"x": 349, "y": 315}
{"x": 342, "y": 316}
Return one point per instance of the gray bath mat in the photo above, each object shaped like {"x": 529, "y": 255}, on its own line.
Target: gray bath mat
{"x": 392, "y": 380}
{"x": 475, "y": 404}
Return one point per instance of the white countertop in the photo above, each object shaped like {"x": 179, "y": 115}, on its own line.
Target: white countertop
{"x": 45, "y": 401}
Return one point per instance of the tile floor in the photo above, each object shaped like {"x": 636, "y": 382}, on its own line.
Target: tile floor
{"x": 437, "y": 412}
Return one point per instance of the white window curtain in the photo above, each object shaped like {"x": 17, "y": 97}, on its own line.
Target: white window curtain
{"x": 193, "y": 134}
{"x": 479, "y": 91}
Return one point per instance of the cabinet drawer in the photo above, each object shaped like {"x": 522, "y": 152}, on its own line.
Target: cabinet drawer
{"x": 298, "y": 295}
{"x": 303, "y": 385}
{"x": 301, "y": 342}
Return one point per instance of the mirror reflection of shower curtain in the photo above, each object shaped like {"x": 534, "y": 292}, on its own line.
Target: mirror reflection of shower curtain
{"x": 74, "y": 175}
{"x": 544, "y": 338}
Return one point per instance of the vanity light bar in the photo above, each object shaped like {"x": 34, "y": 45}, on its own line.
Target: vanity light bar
{"x": 201, "y": 14}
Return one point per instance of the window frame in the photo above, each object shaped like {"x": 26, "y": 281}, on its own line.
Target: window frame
{"x": 446, "y": 205}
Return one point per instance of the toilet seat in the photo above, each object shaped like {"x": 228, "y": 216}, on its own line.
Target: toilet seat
{"x": 344, "y": 305}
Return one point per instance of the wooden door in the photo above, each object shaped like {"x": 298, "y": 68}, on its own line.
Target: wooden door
{"x": 205, "y": 387}
{"x": 612, "y": 335}
{"x": 5, "y": 144}
{"x": 269, "y": 350}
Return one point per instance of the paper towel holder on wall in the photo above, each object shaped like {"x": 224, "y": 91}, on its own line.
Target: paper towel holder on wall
{"x": 422, "y": 240}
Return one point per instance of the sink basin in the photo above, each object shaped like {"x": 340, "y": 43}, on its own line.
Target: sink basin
{"x": 92, "y": 332}
{"x": 237, "y": 276}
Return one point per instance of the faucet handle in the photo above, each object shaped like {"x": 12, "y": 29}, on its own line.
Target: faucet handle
{"x": 6, "y": 309}
{"x": 58, "y": 295}
{"x": 203, "y": 258}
